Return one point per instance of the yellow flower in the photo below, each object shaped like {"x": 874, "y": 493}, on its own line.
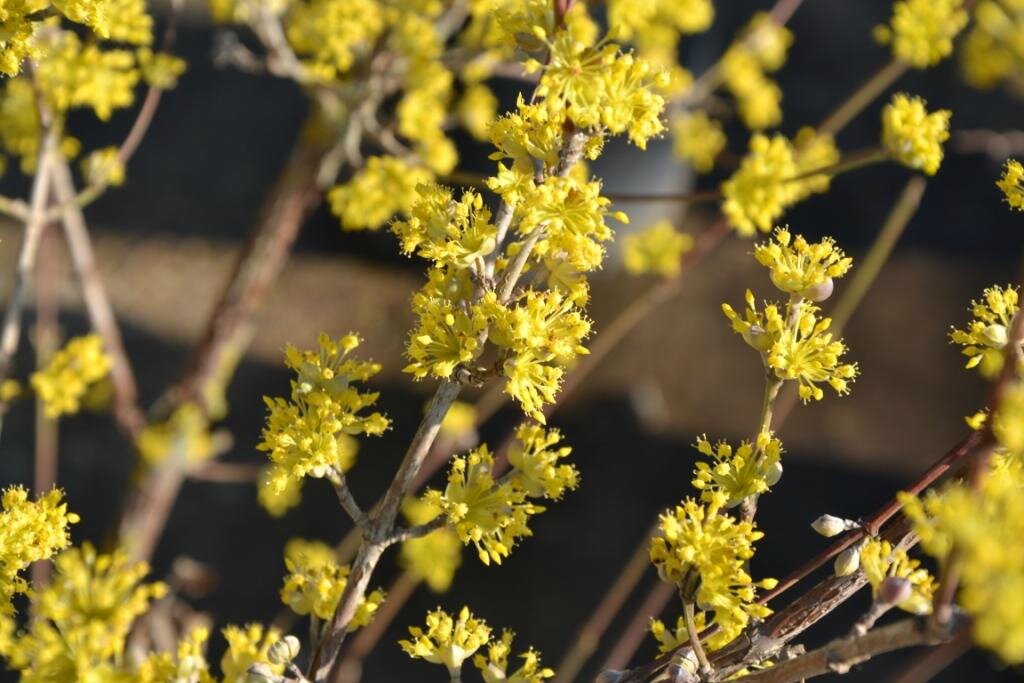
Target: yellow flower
{"x": 103, "y": 167}
{"x": 879, "y": 561}
{"x": 447, "y": 640}
{"x": 813, "y": 151}
{"x": 922, "y": 31}
{"x": 315, "y": 582}
{"x": 434, "y": 558}
{"x": 247, "y": 645}
{"x": 309, "y": 435}
{"x": 760, "y": 48}
{"x": 758, "y": 192}
{"x": 446, "y": 231}
{"x": 330, "y": 34}
{"x": 384, "y": 187}
{"x": 74, "y": 75}
{"x": 802, "y": 268}
{"x": 659, "y": 250}
{"x": 697, "y": 139}
{"x": 749, "y": 471}
{"x": 477, "y": 109}
{"x": 985, "y": 526}
{"x": 535, "y": 459}
{"x": 911, "y": 135}
{"x": 491, "y": 514}
{"x": 985, "y": 336}
{"x": 703, "y": 551}
{"x": 494, "y": 667}
{"x": 29, "y": 532}
{"x": 66, "y": 378}
{"x": 992, "y": 52}
{"x": 82, "y": 619}
{"x": 184, "y": 436}
{"x": 447, "y": 335}
{"x": 1010, "y": 184}
{"x": 274, "y": 500}
{"x": 795, "y": 346}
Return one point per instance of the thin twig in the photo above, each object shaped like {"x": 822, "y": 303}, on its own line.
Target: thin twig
{"x": 862, "y": 97}
{"x": 348, "y": 501}
{"x": 419, "y": 531}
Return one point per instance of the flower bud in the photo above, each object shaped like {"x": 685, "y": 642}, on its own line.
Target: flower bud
{"x": 829, "y": 525}
{"x": 995, "y": 334}
{"x": 758, "y": 338}
{"x": 848, "y": 561}
{"x": 820, "y": 291}
{"x": 893, "y": 590}
{"x": 773, "y": 474}
{"x": 284, "y": 650}
{"x": 261, "y": 673}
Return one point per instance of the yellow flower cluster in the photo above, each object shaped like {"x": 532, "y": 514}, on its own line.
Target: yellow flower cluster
{"x": 655, "y": 28}
{"x": 103, "y": 167}
{"x": 880, "y": 561}
{"x": 185, "y": 436}
{"x": 600, "y": 88}
{"x": 451, "y": 640}
{"x": 434, "y": 558}
{"x": 760, "y": 49}
{"x": 188, "y": 663}
{"x": 535, "y": 457}
{"x": 494, "y": 667}
{"x": 922, "y": 31}
{"x": 29, "y": 532}
{"x": 385, "y": 186}
{"x": 800, "y": 267}
{"x": 493, "y": 515}
{"x": 446, "y": 231}
{"x": 315, "y": 582}
{"x": 985, "y": 526}
{"x": 66, "y": 378}
{"x": 657, "y": 250}
{"x": 795, "y": 344}
{"x": 1010, "y": 184}
{"x": 81, "y": 621}
{"x": 247, "y": 645}
{"x": 447, "y": 640}
{"x": 912, "y": 136}
{"x": 986, "y": 335}
{"x": 697, "y": 139}
{"x": 774, "y": 176}
{"x": 752, "y": 469}
{"x": 279, "y": 501}
{"x": 993, "y": 51}
{"x": 703, "y": 551}
{"x": 310, "y": 435}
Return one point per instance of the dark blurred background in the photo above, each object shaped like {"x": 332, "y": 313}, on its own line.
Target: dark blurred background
{"x": 167, "y": 239}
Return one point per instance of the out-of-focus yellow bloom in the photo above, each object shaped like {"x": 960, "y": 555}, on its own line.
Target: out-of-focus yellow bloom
{"x": 82, "y": 619}
{"x": 703, "y": 551}
{"x": 277, "y": 501}
{"x": 433, "y": 558}
{"x": 29, "y": 532}
{"x": 103, "y": 167}
{"x": 315, "y": 583}
{"x": 912, "y": 135}
{"x": 494, "y": 667}
{"x": 760, "y": 48}
{"x": 10, "y": 389}
{"x": 184, "y": 436}
{"x": 986, "y": 335}
{"x": 879, "y": 561}
{"x": 993, "y": 51}
{"x": 985, "y": 526}
{"x": 385, "y": 186}
{"x": 752, "y": 469}
{"x": 758, "y": 193}
{"x": 447, "y": 640}
{"x": 1010, "y": 184}
{"x": 813, "y": 152}
{"x": 800, "y": 267}
{"x": 697, "y": 139}
{"x": 477, "y": 109}
{"x": 921, "y": 31}
{"x": 247, "y": 645}
{"x": 658, "y": 250}
{"x": 64, "y": 381}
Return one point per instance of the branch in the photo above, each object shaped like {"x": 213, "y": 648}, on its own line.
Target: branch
{"x": 348, "y": 501}
{"x": 409, "y": 533}
{"x": 841, "y": 655}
